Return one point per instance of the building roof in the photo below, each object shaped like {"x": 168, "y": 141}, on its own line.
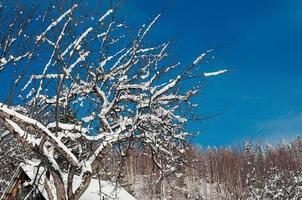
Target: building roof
{"x": 96, "y": 189}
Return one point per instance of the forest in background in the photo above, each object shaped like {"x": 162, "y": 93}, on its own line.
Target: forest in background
{"x": 251, "y": 172}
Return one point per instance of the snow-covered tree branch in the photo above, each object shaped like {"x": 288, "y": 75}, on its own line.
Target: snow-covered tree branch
{"x": 84, "y": 87}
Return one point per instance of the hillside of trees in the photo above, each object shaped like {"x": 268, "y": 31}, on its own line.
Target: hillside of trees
{"x": 251, "y": 172}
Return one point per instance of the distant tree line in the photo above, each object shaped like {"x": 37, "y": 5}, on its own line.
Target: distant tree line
{"x": 251, "y": 172}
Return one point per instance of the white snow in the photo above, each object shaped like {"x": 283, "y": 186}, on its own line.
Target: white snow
{"x": 54, "y": 23}
{"x": 149, "y": 27}
{"x": 32, "y": 122}
{"x": 4, "y": 134}
{"x": 96, "y": 190}
{"x": 3, "y": 61}
{"x": 206, "y": 74}
{"x": 199, "y": 58}
{"x": 105, "y": 15}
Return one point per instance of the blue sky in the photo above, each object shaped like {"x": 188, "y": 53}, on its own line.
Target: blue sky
{"x": 260, "y": 41}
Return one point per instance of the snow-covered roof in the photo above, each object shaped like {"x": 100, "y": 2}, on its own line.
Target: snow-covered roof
{"x": 3, "y": 134}
{"x": 96, "y": 189}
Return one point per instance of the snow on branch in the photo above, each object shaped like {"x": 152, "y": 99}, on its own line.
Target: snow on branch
{"x": 11, "y": 59}
{"x": 215, "y": 73}
{"x": 92, "y": 91}
{"x": 201, "y": 57}
{"x": 12, "y": 115}
{"x": 58, "y": 20}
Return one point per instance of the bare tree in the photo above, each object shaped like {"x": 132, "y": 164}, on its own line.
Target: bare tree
{"x": 83, "y": 86}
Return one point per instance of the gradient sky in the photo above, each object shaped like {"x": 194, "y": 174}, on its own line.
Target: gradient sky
{"x": 260, "y": 41}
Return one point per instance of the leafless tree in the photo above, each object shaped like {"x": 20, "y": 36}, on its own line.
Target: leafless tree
{"x": 83, "y": 86}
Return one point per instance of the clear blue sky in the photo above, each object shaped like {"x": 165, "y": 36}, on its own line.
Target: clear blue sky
{"x": 260, "y": 40}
